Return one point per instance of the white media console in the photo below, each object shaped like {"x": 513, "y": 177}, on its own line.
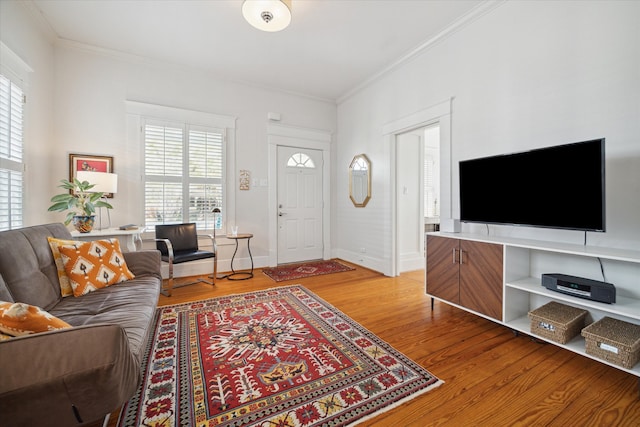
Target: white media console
{"x": 504, "y": 279}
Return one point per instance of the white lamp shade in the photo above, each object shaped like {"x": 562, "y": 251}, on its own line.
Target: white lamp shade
{"x": 104, "y": 182}
{"x": 267, "y": 15}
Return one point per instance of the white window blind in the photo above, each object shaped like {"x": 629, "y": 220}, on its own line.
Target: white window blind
{"x": 11, "y": 149}
{"x": 432, "y": 171}
{"x": 184, "y": 174}
{"x": 429, "y": 187}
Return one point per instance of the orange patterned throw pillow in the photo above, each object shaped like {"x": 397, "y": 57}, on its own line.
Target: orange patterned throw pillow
{"x": 17, "y": 318}
{"x": 65, "y": 286}
{"x": 94, "y": 265}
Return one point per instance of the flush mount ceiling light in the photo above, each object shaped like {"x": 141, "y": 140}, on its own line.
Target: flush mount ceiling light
{"x": 267, "y": 15}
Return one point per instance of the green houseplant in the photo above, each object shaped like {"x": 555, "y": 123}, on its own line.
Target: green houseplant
{"x": 80, "y": 202}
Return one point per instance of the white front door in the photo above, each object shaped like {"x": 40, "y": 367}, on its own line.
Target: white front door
{"x": 299, "y": 204}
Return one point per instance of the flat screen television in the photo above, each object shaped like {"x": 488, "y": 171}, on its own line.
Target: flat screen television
{"x": 554, "y": 187}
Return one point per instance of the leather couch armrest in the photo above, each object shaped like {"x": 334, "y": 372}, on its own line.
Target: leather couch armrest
{"x": 144, "y": 263}
{"x": 66, "y": 377}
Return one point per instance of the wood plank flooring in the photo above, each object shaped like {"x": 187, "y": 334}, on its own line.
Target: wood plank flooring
{"x": 492, "y": 377}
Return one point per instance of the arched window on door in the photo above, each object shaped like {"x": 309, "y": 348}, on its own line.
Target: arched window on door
{"x": 300, "y": 160}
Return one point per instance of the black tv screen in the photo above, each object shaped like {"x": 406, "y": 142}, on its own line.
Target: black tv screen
{"x": 555, "y": 187}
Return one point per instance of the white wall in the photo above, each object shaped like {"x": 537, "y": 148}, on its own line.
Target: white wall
{"x": 91, "y": 89}
{"x": 528, "y": 74}
{"x": 22, "y": 33}
{"x": 82, "y": 110}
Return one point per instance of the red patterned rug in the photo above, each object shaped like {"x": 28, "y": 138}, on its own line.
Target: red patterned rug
{"x": 302, "y": 270}
{"x": 281, "y": 357}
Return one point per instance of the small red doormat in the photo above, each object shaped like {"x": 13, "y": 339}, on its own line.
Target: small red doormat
{"x": 307, "y": 269}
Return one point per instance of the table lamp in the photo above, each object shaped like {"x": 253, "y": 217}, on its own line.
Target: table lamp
{"x": 104, "y": 182}
{"x": 216, "y": 215}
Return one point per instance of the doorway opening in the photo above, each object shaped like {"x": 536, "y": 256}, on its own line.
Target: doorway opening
{"x": 418, "y": 192}
{"x": 440, "y": 115}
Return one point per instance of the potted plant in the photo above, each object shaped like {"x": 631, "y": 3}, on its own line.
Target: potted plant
{"x": 80, "y": 202}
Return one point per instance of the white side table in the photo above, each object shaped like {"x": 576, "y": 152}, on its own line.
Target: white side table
{"x": 130, "y": 240}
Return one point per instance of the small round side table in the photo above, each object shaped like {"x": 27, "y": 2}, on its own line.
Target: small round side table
{"x": 240, "y": 275}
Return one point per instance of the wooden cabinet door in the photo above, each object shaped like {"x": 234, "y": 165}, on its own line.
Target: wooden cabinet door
{"x": 443, "y": 269}
{"x": 481, "y": 277}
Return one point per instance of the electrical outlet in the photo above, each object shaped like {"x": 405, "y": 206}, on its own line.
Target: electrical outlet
{"x": 363, "y": 250}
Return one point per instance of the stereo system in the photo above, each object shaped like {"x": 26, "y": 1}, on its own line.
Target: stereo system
{"x": 580, "y": 287}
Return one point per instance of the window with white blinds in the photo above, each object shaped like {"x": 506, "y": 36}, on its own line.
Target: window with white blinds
{"x": 432, "y": 171}
{"x": 183, "y": 174}
{"x": 11, "y": 149}
{"x": 430, "y": 200}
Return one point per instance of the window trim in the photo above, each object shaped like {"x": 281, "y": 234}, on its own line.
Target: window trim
{"x": 17, "y": 72}
{"x": 14, "y": 67}
{"x": 138, "y": 112}
{"x": 185, "y": 178}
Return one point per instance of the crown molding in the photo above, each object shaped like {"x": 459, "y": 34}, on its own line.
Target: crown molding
{"x": 144, "y": 60}
{"x": 109, "y": 53}
{"x": 465, "y": 20}
{"x": 41, "y": 21}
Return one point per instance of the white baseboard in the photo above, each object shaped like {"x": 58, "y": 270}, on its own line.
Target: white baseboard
{"x": 411, "y": 262}
{"x": 205, "y": 266}
{"x": 371, "y": 263}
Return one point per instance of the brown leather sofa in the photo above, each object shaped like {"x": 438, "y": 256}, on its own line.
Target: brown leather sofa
{"x": 74, "y": 376}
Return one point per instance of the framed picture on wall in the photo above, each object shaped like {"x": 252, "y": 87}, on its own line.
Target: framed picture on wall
{"x": 90, "y": 163}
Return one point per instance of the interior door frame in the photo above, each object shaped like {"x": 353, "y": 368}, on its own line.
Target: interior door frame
{"x": 441, "y": 114}
{"x": 304, "y": 138}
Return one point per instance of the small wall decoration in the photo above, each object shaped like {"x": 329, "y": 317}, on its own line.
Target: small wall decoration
{"x": 91, "y": 163}
{"x": 245, "y": 179}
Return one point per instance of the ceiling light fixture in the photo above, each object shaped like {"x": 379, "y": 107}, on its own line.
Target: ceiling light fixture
{"x": 267, "y": 15}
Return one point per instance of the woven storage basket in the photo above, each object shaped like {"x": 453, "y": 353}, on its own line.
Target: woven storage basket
{"x": 557, "y": 322}
{"x": 613, "y": 340}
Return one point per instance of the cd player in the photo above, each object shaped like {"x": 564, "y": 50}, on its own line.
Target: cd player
{"x": 580, "y": 287}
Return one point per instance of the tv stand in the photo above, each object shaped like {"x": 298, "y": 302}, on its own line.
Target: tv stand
{"x": 521, "y": 266}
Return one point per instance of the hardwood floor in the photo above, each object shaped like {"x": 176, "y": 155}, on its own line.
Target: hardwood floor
{"x": 492, "y": 377}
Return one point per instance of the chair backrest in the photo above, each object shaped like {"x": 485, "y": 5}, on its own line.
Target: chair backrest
{"x": 183, "y": 237}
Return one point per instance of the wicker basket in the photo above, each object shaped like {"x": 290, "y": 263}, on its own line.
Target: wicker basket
{"x": 557, "y": 322}
{"x": 613, "y": 340}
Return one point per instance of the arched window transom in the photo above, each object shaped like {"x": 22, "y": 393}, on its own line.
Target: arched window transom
{"x": 300, "y": 160}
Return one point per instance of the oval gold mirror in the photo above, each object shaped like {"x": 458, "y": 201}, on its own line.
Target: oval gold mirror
{"x": 360, "y": 180}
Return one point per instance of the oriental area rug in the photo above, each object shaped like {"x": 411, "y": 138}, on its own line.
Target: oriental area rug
{"x": 280, "y": 357}
{"x": 307, "y": 269}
